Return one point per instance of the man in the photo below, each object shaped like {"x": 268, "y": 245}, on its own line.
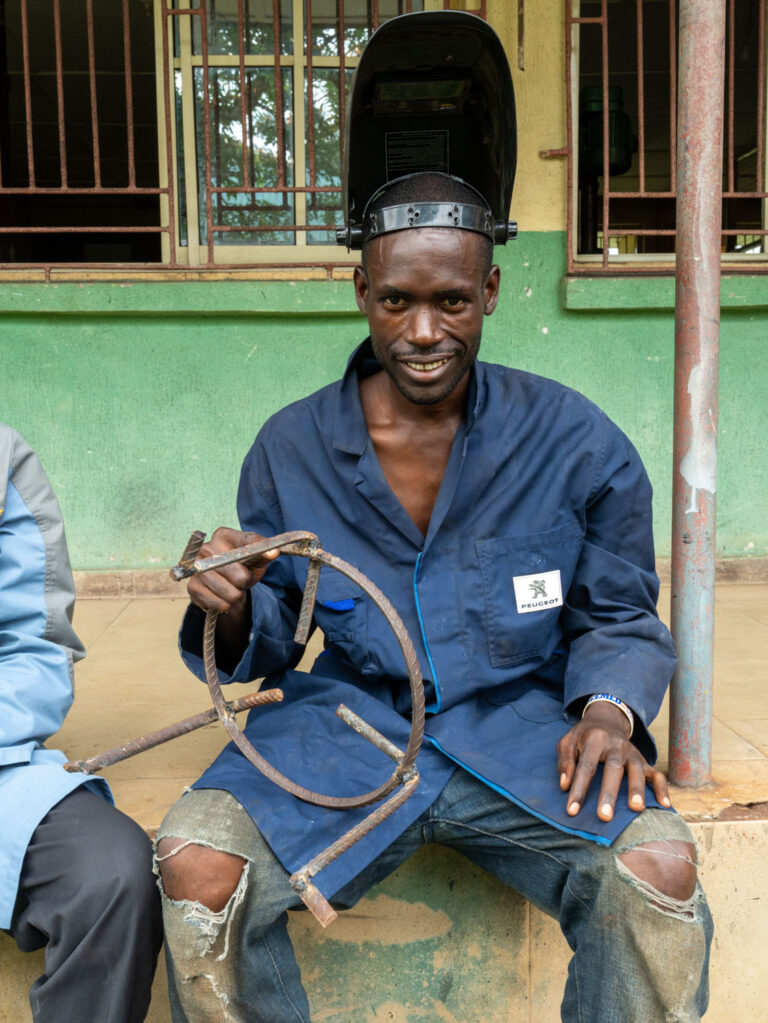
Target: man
{"x": 508, "y": 520}
{"x": 75, "y": 873}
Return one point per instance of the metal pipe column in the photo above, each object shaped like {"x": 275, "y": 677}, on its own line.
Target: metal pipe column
{"x": 697, "y": 329}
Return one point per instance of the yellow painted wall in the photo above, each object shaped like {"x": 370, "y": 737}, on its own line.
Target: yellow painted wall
{"x": 539, "y": 202}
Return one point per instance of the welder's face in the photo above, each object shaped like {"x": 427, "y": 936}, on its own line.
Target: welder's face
{"x": 425, "y": 293}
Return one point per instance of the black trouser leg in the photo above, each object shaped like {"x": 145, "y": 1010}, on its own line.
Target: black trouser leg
{"x": 87, "y": 893}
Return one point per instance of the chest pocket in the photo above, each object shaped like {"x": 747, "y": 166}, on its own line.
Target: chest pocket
{"x": 514, "y": 637}
{"x": 341, "y": 613}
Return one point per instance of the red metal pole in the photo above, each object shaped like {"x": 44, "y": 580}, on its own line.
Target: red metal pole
{"x": 697, "y": 329}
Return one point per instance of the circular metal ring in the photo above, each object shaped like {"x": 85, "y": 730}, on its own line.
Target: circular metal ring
{"x": 306, "y": 545}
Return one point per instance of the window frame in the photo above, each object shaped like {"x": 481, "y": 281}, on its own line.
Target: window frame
{"x": 196, "y": 256}
{"x": 605, "y": 263}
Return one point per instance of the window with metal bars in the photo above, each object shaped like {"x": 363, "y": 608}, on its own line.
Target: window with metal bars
{"x": 621, "y": 67}
{"x": 178, "y": 133}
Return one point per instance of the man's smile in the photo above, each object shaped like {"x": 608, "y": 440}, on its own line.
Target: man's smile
{"x": 425, "y": 367}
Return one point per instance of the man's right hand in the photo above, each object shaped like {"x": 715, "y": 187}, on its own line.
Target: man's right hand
{"x": 226, "y": 589}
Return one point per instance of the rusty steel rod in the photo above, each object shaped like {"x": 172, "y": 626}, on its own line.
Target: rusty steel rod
{"x": 60, "y": 92}
{"x": 244, "y": 95}
{"x": 731, "y": 76}
{"x": 310, "y": 83}
{"x": 571, "y": 220}
{"x": 405, "y": 777}
{"x": 306, "y": 544}
{"x": 191, "y": 724}
{"x": 672, "y": 96}
{"x": 279, "y": 99}
{"x": 301, "y": 881}
{"x": 128, "y": 76}
{"x": 369, "y": 732}
{"x": 27, "y": 92}
{"x": 697, "y": 325}
{"x": 95, "y": 142}
{"x": 341, "y": 30}
{"x": 759, "y": 170}
{"x": 640, "y": 94}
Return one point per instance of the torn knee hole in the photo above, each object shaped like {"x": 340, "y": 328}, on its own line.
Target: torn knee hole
{"x": 666, "y": 869}
{"x": 199, "y": 937}
{"x": 198, "y": 873}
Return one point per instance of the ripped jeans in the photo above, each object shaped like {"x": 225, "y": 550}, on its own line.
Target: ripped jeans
{"x": 639, "y": 956}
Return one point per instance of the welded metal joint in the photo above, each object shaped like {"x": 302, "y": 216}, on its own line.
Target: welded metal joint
{"x": 308, "y": 600}
{"x": 146, "y": 742}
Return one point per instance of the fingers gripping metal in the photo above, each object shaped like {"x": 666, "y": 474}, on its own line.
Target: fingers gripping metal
{"x": 306, "y": 545}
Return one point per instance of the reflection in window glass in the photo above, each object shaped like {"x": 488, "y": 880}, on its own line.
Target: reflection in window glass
{"x": 258, "y": 35}
{"x": 327, "y": 29}
{"x": 180, "y": 161}
{"x": 265, "y": 163}
{"x": 325, "y": 207}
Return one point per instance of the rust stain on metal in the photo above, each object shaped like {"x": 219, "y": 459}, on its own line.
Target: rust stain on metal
{"x": 521, "y": 34}
{"x": 697, "y": 322}
{"x": 316, "y": 903}
{"x": 369, "y": 732}
{"x": 308, "y": 602}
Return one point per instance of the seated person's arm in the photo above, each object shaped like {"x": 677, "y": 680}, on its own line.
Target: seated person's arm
{"x": 616, "y": 643}
{"x": 38, "y": 646}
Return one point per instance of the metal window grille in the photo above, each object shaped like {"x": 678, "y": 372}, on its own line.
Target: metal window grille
{"x": 621, "y": 66}
{"x": 177, "y": 133}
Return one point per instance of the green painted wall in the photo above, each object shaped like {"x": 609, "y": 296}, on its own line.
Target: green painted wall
{"x": 142, "y": 398}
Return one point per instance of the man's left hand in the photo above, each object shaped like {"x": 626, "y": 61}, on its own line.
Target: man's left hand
{"x": 601, "y": 737}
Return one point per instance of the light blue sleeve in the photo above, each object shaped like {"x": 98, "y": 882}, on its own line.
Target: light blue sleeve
{"x": 38, "y": 646}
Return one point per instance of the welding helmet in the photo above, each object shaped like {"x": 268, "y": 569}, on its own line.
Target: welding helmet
{"x": 432, "y": 92}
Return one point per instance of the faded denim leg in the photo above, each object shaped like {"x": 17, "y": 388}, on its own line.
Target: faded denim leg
{"x": 639, "y": 955}
{"x": 238, "y": 966}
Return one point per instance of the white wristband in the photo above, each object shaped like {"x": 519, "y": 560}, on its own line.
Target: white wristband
{"x": 608, "y": 698}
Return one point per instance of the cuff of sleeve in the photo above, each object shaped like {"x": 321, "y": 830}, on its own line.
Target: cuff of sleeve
{"x": 191, "y": 632}
{"x": 641, "y": 737}
{"x": 191, "y": 648}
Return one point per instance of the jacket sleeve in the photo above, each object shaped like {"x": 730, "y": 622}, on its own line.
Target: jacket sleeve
{"x": 275, "y": 601}
{"x": 616, "y": 642}
{"x": 38, "y": 646}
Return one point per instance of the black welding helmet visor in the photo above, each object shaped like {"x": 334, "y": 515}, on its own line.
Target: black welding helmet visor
{"x": 432, "y": 92}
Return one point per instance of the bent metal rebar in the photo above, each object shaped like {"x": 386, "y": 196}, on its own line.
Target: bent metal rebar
{"x": 405, "y": 777}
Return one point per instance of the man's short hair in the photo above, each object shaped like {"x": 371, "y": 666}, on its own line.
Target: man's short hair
{"x": 430, "y": 186}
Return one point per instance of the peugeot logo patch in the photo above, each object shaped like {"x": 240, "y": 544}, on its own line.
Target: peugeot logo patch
{"x": 538, "y": 592}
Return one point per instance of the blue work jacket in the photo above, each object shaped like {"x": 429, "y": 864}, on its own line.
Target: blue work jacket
{"x": 38, "y": 649}
{"x": 533, "y": 588}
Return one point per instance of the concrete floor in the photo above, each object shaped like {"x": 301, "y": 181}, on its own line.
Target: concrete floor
{"x": 133, "y": 682}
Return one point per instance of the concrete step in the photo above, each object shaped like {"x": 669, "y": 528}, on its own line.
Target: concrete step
{"x": 440, "y": 940}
